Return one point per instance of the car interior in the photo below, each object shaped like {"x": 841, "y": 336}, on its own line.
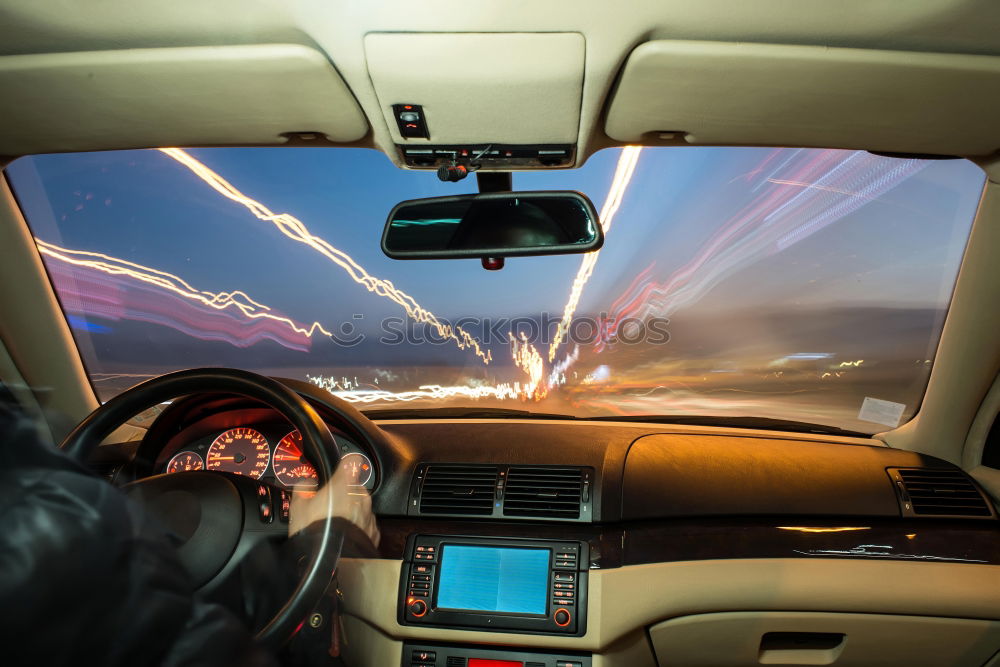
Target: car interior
{"x": 209, "y": 209}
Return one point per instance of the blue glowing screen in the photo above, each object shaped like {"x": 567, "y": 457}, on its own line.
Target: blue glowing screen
{"x": 494, "y": 579}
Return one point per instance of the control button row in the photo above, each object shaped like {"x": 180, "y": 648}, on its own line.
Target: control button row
{"x": 568, "y": 663}
{"x": 429, "y": 550}
{"x": 423, "y": 556}
{"x": 565, "y": 576}
{"x": 419, "y": 594}
{"x": 558, "y": 585}
{"x": 424, "y": 656}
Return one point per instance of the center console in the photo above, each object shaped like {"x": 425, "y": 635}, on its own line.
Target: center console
{"x": 495, "y": 584}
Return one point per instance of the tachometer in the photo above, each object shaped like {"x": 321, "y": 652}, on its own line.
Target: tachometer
{"x": 185, "y": 461}
{"x": 289, "y": 466}
{"x": 243, "y": 451}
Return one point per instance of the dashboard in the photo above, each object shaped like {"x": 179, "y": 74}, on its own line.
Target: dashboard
{"x": 259, "y": 444}
{"x": 725, "y": 520}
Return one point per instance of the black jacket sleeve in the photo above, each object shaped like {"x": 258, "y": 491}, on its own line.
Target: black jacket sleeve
{"x": 86, "y": 579}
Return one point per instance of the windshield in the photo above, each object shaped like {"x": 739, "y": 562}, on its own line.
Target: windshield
{"x": 798, "y": 284}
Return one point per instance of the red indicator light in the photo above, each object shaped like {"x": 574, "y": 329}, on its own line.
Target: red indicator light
{"x": 407, "y": 107}
{"x": 483, "y": 662}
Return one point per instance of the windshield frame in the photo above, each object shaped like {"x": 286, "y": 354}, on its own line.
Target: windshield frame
{"x": 665, "y": 417}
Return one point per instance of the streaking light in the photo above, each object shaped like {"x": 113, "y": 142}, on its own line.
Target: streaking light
{"x": 237, "y": 299}
{"x": 296, "y": 230}
{"x": 623, "y": 174}
{"x": 825, "y": 187}
{"x": 833, "y": 529}
{"x": 435, "y": 392}
{"x": 527, "y": 358}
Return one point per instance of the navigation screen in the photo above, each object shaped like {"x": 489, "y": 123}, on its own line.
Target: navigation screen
{"x": 494, "y": 579}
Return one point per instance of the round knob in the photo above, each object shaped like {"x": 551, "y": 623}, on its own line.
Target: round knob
{"x": 417, "y": 607}
{"x": 561, "y": 617}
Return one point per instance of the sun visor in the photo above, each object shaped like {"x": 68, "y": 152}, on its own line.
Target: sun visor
{"x": 184, "y": 96}
{"x": 766, "y": 94}
{"x": 503, "y": 88}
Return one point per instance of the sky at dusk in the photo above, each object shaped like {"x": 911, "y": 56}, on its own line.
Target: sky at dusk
{"x": 701, "y": 234}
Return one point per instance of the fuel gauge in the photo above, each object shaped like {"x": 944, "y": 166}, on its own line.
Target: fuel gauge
{"x": 359, "y": 468}
{"x": 185, "y": 461}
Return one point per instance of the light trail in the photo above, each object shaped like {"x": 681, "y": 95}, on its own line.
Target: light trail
{"x": 296, "y": 230}
{"x": 828, "y": 185}
{"x": 623, "y": 174}
{"x": 803, "y": 184}
{"x": 433, "y": 392}
{"x": 527, "y": 358}
{"x": 173, "y": 283}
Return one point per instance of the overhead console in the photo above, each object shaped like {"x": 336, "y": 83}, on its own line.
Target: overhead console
{"x": 489, "y": 156}
{"x": 509, "y": 100}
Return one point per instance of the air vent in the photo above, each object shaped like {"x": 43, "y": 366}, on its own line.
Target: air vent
{"x": 465, "y": 490}
{"x": 939, "y": 492}
{"x": 553, "y": 493}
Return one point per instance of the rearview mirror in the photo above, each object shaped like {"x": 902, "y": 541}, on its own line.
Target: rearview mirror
{"x": 493, "y": 225}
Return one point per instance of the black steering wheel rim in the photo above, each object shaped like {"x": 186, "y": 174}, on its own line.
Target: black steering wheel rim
{"x": 317, "y": 442}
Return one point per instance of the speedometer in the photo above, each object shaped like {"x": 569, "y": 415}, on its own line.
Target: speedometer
{"x": 243, "y": 451}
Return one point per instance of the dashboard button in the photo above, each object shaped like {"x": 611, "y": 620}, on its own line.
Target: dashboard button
{"x": 561, "y": 617}
{"x": 424, "y": 656}
{"x": 418, "y": 608}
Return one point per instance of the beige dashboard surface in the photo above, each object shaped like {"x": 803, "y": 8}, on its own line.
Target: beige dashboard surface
{"x": 746, "y": 639}
{"x": 624, "y": 602}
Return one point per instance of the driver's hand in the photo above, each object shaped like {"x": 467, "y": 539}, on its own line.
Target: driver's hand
{"x": 348, "y": 501}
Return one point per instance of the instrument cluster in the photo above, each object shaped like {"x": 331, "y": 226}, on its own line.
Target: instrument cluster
{"x": 267, "y": 452}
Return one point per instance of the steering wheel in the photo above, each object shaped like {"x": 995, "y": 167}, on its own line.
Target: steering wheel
{"x": 220, "y": 516}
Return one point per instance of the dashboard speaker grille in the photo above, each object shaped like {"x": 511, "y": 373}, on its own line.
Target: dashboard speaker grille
{"x": 940, "y": 492}
{"x": 553, "y": 493}
{"x": 450, "y": 489}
